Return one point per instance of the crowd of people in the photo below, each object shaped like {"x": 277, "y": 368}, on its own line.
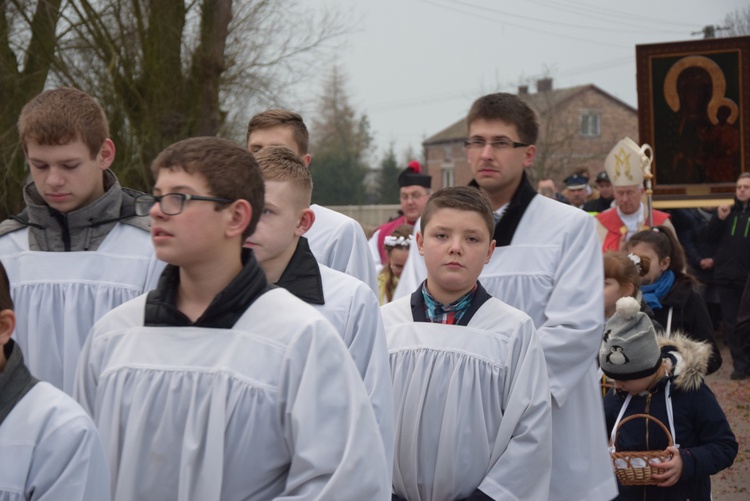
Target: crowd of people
{"x": 223, "y": 338}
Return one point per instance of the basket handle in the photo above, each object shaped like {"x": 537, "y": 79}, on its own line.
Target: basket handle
{"x": 647, "y": 417}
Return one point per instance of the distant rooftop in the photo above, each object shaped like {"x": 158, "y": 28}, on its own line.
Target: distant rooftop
{"x": 541, "y": 103}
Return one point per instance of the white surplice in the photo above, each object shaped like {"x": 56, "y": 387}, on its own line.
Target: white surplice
{"x": 472, "y": 405}
{"x": 59, "y": 295}
{"x": 552, "y": 270}
{"x": 272, "y": 408}
{"x": 50, "y": 449}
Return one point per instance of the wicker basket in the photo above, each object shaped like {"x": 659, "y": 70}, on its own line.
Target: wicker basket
{"x": 634, "y": 467}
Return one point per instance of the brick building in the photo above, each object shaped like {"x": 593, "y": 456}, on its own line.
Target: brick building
{"x": 578, "y": 126}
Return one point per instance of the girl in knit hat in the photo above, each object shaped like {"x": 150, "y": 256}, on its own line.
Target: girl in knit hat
{"x": 668, "y": 289}
{"x": 663, "y": 377}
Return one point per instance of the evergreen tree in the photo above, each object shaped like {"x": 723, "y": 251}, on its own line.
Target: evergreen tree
{"x": 340, "y": 140}
{"x": 388, "y": 188}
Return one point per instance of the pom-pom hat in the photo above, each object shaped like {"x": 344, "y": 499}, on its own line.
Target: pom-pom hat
{"x": 629, "y": 349}
{"x": 412, "y": 176}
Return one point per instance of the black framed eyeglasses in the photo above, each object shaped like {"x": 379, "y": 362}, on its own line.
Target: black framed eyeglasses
{"x": 499, "y": 145}
{"x": 171, "y": 204}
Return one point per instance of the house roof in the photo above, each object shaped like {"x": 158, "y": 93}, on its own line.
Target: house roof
{"x": 541, "y": 103}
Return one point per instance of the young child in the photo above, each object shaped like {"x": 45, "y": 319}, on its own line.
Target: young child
{"x": 336, "y": 240}
{"x": 668, "y": 289}
{"x": 663, "y": 377}
{"x": 286, "y": 258}
{"x": 217, "y": 385}
{"x": 50, "y": 447}
{"x": 622, "y": 278}
{"x": 397, "y": 252}
{"x": 78, "y": 249}
{"x": 471, "y": 394}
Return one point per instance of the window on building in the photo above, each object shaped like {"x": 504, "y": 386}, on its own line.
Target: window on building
{"x": 447, "y": 153}
{"x": 448, "y": 177}
{"x": 590, "y": 123}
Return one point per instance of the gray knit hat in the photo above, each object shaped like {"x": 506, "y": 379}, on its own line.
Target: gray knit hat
{"x": 629, "y": 349}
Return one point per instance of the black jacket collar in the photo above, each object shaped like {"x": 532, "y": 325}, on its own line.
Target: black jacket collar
{"x": 302, "y": 275}
{"x": 506, "y": 227}
{"x": 15, "y": 379}
{"x": 225, "y": 309}
{"x": 417, "y": 305}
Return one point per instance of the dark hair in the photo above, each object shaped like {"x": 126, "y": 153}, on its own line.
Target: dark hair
{"x": 59, "y": 116}
{"x": 665, "y": 244}
{"x": 619, "y": 266}
{"x": 744, "y": 175}
{"x": 461, "y": 198}
{"x": 283, "y": 118}
{"x": 508, "y": 108}
{"x": 6, "y": 301}
{"x": 230, "y": 171}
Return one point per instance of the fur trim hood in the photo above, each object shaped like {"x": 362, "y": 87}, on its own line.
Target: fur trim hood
{"x": 687, "y": 360}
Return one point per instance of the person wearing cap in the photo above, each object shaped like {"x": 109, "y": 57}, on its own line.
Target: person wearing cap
{"x": 414, "y": 190}
{"x": 606, "y": 195}
{"x": 625, "y": 166}
{"x": 663, "y": 377}
{"x": 576, "y": 185}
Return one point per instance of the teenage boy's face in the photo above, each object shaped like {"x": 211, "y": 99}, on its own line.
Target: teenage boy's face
{"x": 188, "y": 238}
{"x": 497, "y": 170}
{"x": 279, "y": 226}
{"x": 456, "y": 245}
{"x": 278, "y": 135}
{"x": 66, "y": 176}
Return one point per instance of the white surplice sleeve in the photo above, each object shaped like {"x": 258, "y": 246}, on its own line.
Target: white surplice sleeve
{"x": 571, "y": 331}
{"x": 524, "y": 440}
{"x": 58, "y": 448}
{"x": 414, "y": 271}
{"x": 365, "y": 339}
{"x": 339, "y": 242}
{"x": 329, "y": 425}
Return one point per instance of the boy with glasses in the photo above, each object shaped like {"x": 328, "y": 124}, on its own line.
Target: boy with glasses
{"x": 78, "y": 249}
{"x": 547, "y": 263}
{"x": 217, "y": 385}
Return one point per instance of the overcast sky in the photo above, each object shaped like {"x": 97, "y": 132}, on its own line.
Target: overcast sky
{"x": 415, "y": 66}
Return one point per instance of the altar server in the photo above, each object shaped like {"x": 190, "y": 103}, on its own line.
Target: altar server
{"x": 217, "y": 385}
{"x": 471, "y": 394}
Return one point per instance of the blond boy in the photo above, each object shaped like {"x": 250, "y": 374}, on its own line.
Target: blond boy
{"x": 336, "y": 240}
{"x": 285, "y": 256}
{"x": 471, "y": 396}
{"x": 78, "y": 249}
{"x": 216, "y": 385}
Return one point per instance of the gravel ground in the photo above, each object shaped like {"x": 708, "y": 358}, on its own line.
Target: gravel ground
{"x": 733, "y": 484}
